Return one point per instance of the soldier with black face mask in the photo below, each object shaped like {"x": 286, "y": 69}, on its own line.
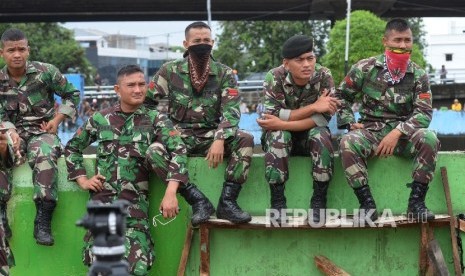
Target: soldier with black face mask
{"x": 204, "y": 107}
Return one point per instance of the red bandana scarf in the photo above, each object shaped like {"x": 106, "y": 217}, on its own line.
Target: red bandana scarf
{"x": 396, "y": 62}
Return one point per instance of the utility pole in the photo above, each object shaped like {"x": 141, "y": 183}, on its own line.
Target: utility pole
{"x": 346, "y": 59}
{"x": 167, "y": 45}
{"x": 209, "y": 12}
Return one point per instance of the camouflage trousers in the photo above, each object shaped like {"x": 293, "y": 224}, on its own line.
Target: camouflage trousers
{"x": 160, "y": 160}
{"x": 279, "y": 145}
{"x": 41, "y": 152}
{"x": 358, "y": 145}
{"x": 7, "y": 259}
{"x": 239, "y": 148}
{"x": 139, "y": 247}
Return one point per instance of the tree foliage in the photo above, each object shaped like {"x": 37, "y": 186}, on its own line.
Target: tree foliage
{"x": 366, "y": 33}
{"x": 255, "y": 46}
{"x": 418, "y": 30}
{"x": 51, "y": 43}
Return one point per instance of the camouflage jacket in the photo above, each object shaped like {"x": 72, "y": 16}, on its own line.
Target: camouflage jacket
{"x": 212, "y": 113}
{"x": 406, "y": 106}
{"x": 123, "y": 140}
{"x": 281, "y": 92}
{"x": 27, "y": 104}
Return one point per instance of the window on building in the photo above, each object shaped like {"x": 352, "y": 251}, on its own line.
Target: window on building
{"x": 448, "y": 57}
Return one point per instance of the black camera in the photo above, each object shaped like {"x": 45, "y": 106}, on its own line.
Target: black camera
{"x": 107, "y": 224}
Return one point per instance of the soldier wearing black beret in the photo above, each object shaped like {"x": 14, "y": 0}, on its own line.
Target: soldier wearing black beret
{"x": 299, "y": 105}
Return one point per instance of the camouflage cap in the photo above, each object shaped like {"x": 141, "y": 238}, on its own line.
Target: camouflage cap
{"x": 297, "y": 45}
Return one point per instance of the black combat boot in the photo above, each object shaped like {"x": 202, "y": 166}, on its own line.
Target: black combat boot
{"x": 417, "y": 209}
{"x": 202, "y": 208}
{"x": 278, "y": 201}
{"x": 43, "y": 222}
{"x": 227, "y": 205}
{"x": 318, "y": 201}
{"x": 6, "y": 226}
{"x": 367, "y": 203}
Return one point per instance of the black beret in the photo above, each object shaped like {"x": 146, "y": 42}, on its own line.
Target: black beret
{"x": 297, "y": 45}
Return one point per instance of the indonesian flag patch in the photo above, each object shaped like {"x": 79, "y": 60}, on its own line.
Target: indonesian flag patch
{"x": 174, "y": 133}
{"x": 151, "y": 85}
{"x": 424, "y": 96}
{"x": 233, "y": 92}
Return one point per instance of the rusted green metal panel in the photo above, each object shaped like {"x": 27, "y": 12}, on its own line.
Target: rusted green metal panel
{"x": 251, "y": 252}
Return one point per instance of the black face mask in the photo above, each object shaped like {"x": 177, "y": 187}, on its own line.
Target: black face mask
{"x": 200, "y": 50}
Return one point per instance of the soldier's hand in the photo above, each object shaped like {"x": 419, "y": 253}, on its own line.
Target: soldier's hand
{"x": 50, "y": 126}
{"x": 326, "y": 103}
{"x": 388, "y": 143}
{"x": 270, "y": 122}
{"x": 3, "y": 146}
{"x": 215, "y": 153}
{"x": 356, "y": 126}
{"x": 169, "y": 204}
{"x": 95, "y": 183}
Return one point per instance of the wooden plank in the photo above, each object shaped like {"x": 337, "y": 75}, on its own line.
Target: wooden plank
{"x": 455, "y": 250}
{"x": 327, "y": 267}
{"x": 185, "y": 251}
{"x": 261, "y": 222}
{"x": 437, "y": 259}
{"x": 204, "y": 250}
{"x": 423, "y": 258}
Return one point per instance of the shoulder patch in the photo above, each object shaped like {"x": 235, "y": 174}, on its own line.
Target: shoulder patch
{"x": 424, "y": 96}
{"x": 174, "y": 133}
{"x": 151, "y": 85}
{"x": 233, "y": 92}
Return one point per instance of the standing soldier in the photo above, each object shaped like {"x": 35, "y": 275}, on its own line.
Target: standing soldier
{"x": 298, "y": 106}
{"x": 204, "y": 107}
{"x": 27, "y": 91}
{"x": 124, "y": 133}
{"x": 395, "y": 114}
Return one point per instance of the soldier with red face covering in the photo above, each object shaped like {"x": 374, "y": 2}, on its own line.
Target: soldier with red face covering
{"x": 395, "y": 110}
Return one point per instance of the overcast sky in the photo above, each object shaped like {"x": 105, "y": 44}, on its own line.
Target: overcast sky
{"x": 157, "y": 31}
{"x": 173, "y": 31}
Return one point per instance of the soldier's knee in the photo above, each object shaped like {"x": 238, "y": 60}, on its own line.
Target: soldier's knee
{"x": 280, "y": 135}
{"x": 246, "y": 139}
{"x": 275, "y": 176}
{"x": 345, "y": 143}
{"x": 430, "y": 139}
{"x": 351, "y": 143}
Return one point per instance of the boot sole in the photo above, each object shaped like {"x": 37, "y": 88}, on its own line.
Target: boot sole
{"x": 235, "y": 221}
{"x": 203, "y": 220}
{"x": 44, "y": 243}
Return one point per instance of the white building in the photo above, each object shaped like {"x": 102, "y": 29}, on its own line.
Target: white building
{"x": 108, "y": 52}
{"x": 448, "y": 49}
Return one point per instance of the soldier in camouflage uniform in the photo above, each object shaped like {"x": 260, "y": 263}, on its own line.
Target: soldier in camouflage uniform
{"x": 27, "y": 91}
{"x": 395, "y": 114}
{"x": 298, "y": 108}
{"x": 6, "y": 161}
{"x": 124, "y": 133}
{"x": 204, "y": 107}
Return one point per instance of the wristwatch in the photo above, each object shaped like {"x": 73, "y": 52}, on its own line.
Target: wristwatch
{"x": 348, "y": 127}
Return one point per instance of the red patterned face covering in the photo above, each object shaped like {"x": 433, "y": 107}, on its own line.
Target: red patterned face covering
{"x": 199, "y": 65}
{"x": 396, "y": 62}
